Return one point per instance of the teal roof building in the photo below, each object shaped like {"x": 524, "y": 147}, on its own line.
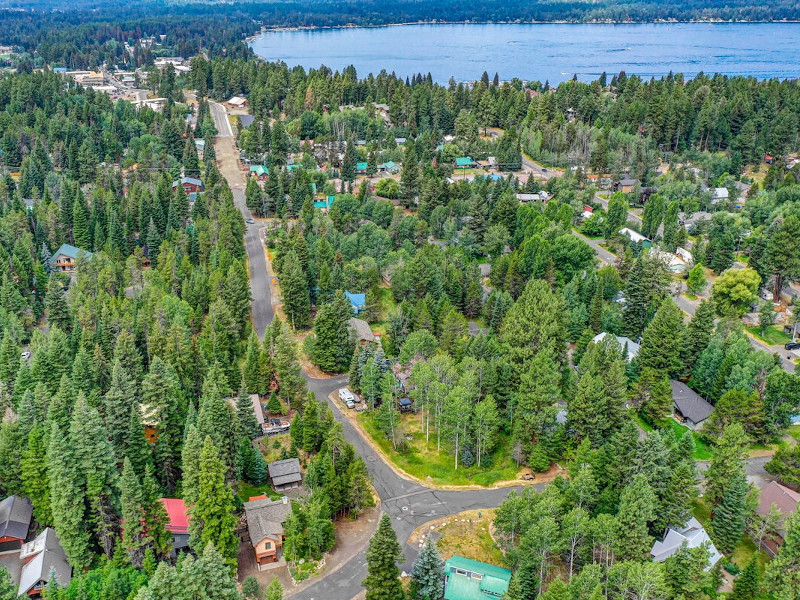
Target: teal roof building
{"x": 467, "y": 579}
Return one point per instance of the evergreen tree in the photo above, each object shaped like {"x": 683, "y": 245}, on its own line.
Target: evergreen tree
{"x": 428, "y": 575}
{"x": 245, "y": 417}
{"x": 383, "y": 575}
{"x": 67, "y": 500}
{"x": 294, "y": 291}
{"x": 212, "y": 518}
{"x": 35, "y": 478}
{"x": 698, "y": 334}
{"x": 662, "y": 340}
{"x": 251, "y": 370}
{"x": 637, "y": 509}
{"x": 133, "y": 534}
{"x": 727, "y": 462}
{"x": 334, "y": 344}
{"x": 782, "y": 574}
{"x": 729, "y": 517}
{"x": 119, "y": 401}
{"x": 274, "y": 590}
{"x": 746, "y": 586}
{"x": 137, "y": 449}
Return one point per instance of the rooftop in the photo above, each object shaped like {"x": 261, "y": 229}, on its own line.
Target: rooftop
{"x": 68, "y": 250}
{"x": 473, "y": 580}
{"x": 15, "y": 517}
{"x": 692, "y": 534}
{"x": 265, "y": 518}
{"x": 284, "y": 471}
{"x": 176, "y": 513}
{"x": 689, "y": 403}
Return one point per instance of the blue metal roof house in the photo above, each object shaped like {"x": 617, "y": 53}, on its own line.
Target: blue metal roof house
{"x": 357, "y": 301}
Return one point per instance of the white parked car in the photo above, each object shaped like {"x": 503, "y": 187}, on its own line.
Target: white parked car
{"x": 26, "y": 355}
{"x": 345, "y": 395}
{"x": 349, "y": 403}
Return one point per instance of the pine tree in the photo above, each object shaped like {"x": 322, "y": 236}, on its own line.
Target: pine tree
{"x": 274, "y": 590}
{"x": 133, "y": 533}
{"x": 698, "y": 334}
{"x": 383, "y": 575}
{"x": 212, "y": 518}
{"x": 55, "y": 303}
{"x": 119, "y": 401}
{"x": 636, "y": 510}
{"x": 727, "y": 462}
{"x": 80, "y": 223}
{"x": 334, "y": 344}
{"x": 746, "y": 586}
{"x": 67, "y": 500}
{"x": 294, "y": 291}
{"x": 160, "y": 393}
{"x": 96, "y": 463}
{"x": 662, "y": 340}
{"x": 245, "y": 417}
{"x": 35, "y": 479}
{"x": 237, "y": 295}
{"x": 136, "y": 448}
{"x": 251, "y": 370}
{"x": 428, "y": 575}
{"x": 782, "y": 574}
{"x": 729, "y": 517}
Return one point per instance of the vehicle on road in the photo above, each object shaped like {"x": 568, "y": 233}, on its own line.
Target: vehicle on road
{"x": 349, "y": 404}
{"x": 792, "y": 346}
{"x": 249, "y": 221}
{"x": 26, "y": 355}
{"x": 345, "y": 395}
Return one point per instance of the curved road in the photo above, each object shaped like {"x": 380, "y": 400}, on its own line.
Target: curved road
{"x": 407, "y": 502}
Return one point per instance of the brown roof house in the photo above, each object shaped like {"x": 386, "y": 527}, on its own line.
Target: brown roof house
{"x": 265, "y": 519}
{"x": 15, "y": 520}
{"x": 285, "y": 474}
{"x": 785, "y": 500}
{"x": 362, "y": 331}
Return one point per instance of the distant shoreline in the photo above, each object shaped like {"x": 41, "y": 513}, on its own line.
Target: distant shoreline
{"x": 518, "y": 22}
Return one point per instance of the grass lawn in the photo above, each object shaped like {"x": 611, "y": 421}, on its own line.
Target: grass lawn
{"x": 422, "y": 460}
{"x": 690, "y": 295}
{"x": 702, "y": 451}
{"x": 246, "y": 491}
{"x": 271, "y": 446}
{"x": 794, "y": 431}
{"x": 774, "y": 335}
{"x": 746, "y": 548}
{"x": 467, "y": 535}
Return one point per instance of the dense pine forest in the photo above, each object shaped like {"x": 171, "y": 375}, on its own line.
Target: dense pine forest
{"x": 545, "y": 270}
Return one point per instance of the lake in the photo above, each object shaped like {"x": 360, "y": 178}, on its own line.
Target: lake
{"x": 546, "y": 51}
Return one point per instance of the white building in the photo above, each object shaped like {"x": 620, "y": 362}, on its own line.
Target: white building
{"x": 692, "y": 535}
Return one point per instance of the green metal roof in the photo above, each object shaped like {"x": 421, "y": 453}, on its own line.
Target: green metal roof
{"x": 259, "y": 169}
{"x": 476, "y": 566}
{"x": 493, "y": 583}
{"x": 362, "y": 166}
{"x": 463, "y": 161}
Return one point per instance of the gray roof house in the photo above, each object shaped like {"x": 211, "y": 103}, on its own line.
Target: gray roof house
{"x": 691, "y": 535}
{"x": 689, "y": 404}
{"x": 285, "y": 474}
{"x": 265, "y": 520}
{"x": 15, "y": 520}
{"x": 362, "y": 330}
{"x": 44, "y": 558}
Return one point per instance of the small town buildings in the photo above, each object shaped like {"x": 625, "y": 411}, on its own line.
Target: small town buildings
{"x": 177, "y": 523}
{"x": 15, "y": 520}
{"x": 390, "y": 167}
{"x": 260, "y": 172}
{"x": 693, "y": 535}
{"x": 65, "y": 258}
{"x": 362, "y": 331}
{"x": 44, "y": 559}
{"x": 358, "y": 302}
{"x": 405, "y": 404}
{"x": 464, "y": 162}
{"x": 466, "y": 579}
{"x": 400, "y": 141}
{"x": 685, "y": 255}
{"x": 285, "y": 474}
{"x": 673, "y": 262}
{"x": 175, "y": 61}
{"x": 588, "y": 211}
{"x": 361, "y": 168}
{"x": 627, "y": 344}
{"x": 237, "y": 102}
{"x": 191, "y": 185}
{"x": 786, "y": 501}
{"x": 636, "y": 237}
{"x": 689, "y": 405}
{"x": 265, "y": 519}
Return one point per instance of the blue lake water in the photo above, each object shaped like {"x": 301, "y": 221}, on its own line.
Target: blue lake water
{"x": 547, "y": 51}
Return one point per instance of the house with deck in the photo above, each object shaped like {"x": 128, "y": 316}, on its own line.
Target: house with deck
{"x": 466, "y": 579}
{"x": 65, "y": 259}
{"x": 362, "y": 331}
{"x": 265, "y": 519}
{"x": 190, "y": 185}
{"x": 260, "y": 172}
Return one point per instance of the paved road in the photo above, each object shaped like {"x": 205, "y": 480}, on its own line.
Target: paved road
{"x": 408, "y": 503}
{"x": 227, "y": 159}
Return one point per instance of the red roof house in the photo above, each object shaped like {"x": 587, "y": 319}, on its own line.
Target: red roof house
{"x": 177, "y": 522}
